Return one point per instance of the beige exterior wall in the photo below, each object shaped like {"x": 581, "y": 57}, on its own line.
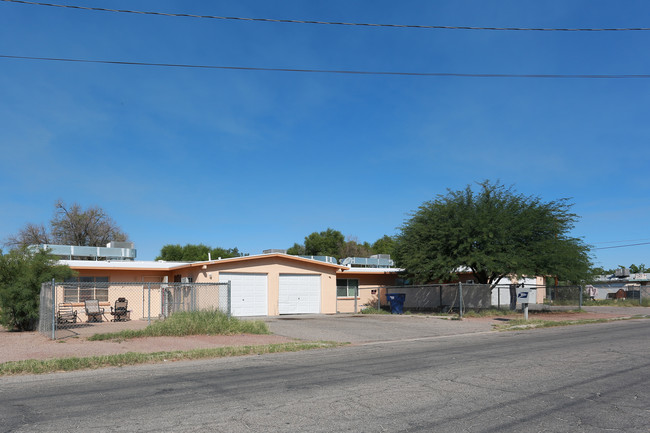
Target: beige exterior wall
{"x": 273, "y": 267}
{"x": 140, "y": 302}
{"x": 371, "y": 286}
{"x": 541, "y": 291}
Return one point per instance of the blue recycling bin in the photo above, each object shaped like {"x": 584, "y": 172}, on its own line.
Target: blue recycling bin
{"x": 396, "y": 302}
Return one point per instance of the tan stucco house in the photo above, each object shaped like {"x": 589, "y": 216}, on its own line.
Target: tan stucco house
{"x": 261, "y": 285}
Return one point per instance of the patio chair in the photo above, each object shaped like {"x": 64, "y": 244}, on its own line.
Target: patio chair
{"x": 66, "y": 314}
{"x": 120, "y": 312}
{"x": 93, "y": 311}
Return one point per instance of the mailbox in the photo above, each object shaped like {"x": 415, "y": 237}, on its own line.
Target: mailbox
{"x": 526, "y": 296}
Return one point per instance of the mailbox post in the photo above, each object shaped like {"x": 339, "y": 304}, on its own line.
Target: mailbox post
{"x": 524, "y": 298}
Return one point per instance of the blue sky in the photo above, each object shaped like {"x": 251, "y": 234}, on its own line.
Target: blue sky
{"x": 259, "y": 160}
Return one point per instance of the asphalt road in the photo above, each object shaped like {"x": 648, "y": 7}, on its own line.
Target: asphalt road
{"x": 590, "y": 378}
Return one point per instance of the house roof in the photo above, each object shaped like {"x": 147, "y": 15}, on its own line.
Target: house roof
{"x": 371, "y": 271}
{"x": 631, "y": 278}
{"x": 168, "y": 266}
{"x": 269, "y": 256}
{"x": 124, "y": 265}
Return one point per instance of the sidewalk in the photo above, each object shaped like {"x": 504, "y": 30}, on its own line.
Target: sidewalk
{"x": 353, "y": 328}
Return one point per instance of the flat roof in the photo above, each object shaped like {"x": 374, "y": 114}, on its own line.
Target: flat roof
{"x": 123, "y": 264}
{"x": 349, "y": 270}
{"x": 161, "y": 265}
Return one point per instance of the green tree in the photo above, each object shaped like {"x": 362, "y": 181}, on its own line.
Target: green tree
{"x": 598, "y": 271}
{"x": 493, "y": 233}
{"x": 22, "y": 271}
{"x": 71, "y": 225}
{"x": 327, "y": 243}
{"x": 225, "y": 253}
{"x": 352, "y": 248}
{"x": 171, "y": 253}
{"x": 195, "y": 253}
{"x": 638, "y": 269}
{"x": 333, "y": 243}
{"x": 383, "y": 245}
{"x": 297, "y": 250}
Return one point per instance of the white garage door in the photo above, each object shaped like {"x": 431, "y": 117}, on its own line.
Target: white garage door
{"x": 299, "y": 294}
{"x": 249, "y": 293}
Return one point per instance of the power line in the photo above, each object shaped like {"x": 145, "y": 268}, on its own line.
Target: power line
{"x": 622, "y": 246}
{"x": 333, "y": 71}
{"x": 624, "y": 240}
{"x": 271, "y": 20}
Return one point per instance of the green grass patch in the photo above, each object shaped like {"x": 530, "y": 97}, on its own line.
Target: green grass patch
{"x": 191, "y": 323}
{"x": 131, "y": 358}
{"x": 373, "y": 310}
{"x": 616, "y": 303}
{"x": 562, "y": 302}
{"x": 490, "y": 312}
{"x": 519, "y": 324}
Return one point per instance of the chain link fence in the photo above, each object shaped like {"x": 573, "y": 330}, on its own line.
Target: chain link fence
{"x": 460, "y": 297}
{"x": 429, "y": 297}
{"x": 565, "y": 295}
{"x": 68, "y": 305}
{"x": 457, "y": 297}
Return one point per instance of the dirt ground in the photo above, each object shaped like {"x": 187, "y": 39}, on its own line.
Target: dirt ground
{"x": 16, "y": 346}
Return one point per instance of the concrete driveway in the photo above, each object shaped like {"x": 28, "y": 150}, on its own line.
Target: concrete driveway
{"x": 362, "y": 328}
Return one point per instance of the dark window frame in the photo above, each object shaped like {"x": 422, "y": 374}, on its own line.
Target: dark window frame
{"x": 87, "y": 287}
{"x": 349, "y": 288}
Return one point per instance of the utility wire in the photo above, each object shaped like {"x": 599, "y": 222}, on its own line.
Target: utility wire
{"x": 270, "y": 20}
{"x": 622, "y": 246}
{"x": 624, "y": 240}
{"x": 333, "y": 71}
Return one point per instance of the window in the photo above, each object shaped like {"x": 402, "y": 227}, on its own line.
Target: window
{"x": 347, "y": 287}
{"x": 80, "y": 289}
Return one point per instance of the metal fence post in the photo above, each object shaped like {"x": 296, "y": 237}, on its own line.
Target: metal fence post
{"x": 148, "y": 303}
{"x": 378, "y": 298}
{"x": 53, "y": 297}
{"x": 460, "y": 299}
{"x": 229, "y": 298}
{"x": 580, "y": 302}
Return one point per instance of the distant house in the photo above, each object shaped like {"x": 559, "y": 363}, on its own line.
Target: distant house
{"x": 632, "y": 284}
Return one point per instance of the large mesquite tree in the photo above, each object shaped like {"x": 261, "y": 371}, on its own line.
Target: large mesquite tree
{"x": 493, "y": 232}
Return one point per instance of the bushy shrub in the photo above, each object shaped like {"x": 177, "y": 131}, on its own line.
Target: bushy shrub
{"x": 22, "y": 272}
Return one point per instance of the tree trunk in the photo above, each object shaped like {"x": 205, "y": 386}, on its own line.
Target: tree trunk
{"x": 513, "y": 297}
